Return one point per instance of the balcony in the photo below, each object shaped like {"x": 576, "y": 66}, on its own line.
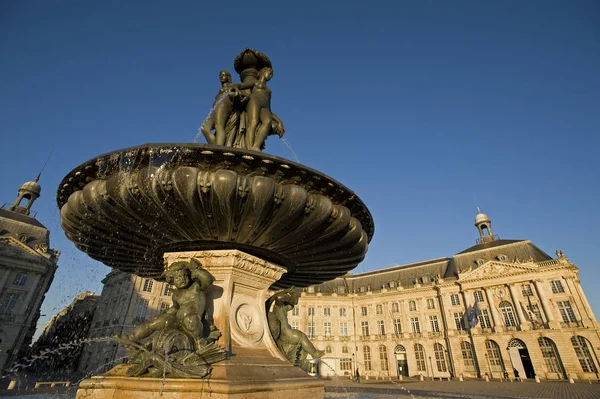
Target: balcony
{"x": 344, "y": 338}
{"x": 571, "y": 324}
{"x": 364, "y": 337}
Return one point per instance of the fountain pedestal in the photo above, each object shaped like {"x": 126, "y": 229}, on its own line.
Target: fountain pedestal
{"x": 255, "y": 367}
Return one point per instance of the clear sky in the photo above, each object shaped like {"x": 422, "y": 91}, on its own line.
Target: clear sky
{"x": 422, "y": 107}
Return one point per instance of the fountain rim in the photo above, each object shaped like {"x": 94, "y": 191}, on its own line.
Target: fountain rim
{"x": 207, "y": 150}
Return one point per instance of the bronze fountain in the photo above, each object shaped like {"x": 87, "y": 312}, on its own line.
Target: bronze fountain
{"x": 226, "y": 225}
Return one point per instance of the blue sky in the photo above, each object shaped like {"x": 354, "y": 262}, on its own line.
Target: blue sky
{"x": 421, "y": 107}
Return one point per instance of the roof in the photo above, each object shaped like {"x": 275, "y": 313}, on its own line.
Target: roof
{"x": 19, "y": 217}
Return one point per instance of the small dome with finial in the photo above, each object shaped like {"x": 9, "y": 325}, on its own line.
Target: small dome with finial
{"x": 481, "y": 217}
{"x": 32, "y": 186}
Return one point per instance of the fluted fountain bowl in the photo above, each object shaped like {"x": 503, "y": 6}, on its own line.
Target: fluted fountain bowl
{"x": 128, "y": 207}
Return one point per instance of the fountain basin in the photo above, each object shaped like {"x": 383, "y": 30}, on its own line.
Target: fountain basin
{"x": 129, "y": 207}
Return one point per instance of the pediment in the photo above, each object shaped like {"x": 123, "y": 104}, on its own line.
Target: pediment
{"x": 13, "y": 248}
{"x": 494, "y": 269}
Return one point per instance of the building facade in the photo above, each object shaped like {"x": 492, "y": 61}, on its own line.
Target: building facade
{"x": 126, "y": 302}
{"x": 499, "y": 306}
{"x": 27, "y": 267}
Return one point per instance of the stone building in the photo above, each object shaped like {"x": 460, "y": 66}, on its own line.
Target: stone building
{"x": 499, "y": 306}
{"x": 27, "y": 267}
{"x": 126, "y": 302}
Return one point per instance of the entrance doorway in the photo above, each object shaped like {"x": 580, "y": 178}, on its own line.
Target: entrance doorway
{"x": 401, "y": 362}
{"x": 519, "y": 356}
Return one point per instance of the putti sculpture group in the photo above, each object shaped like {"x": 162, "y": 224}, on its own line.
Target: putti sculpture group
{"x": 227, "y": 226}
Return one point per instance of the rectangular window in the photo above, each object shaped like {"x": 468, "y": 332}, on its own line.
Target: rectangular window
{"x": 311, "y": 329}
{"x": 397, "y": 326}
{"x": 326, "y": 311}
{"x": 433, "y": 322}
{"x": 346, "y": 364}
{"x": 367, "y": 357}
{"x": 344, "y": 329}
{"x": 167, "y": 291}
{"x": 430, "y": 303}
{"x": 455, "y": 299}
{"x": 142, "y": 310}
{"x": 526, "y": 290}
{"x": 557, "y": 287}
{"x": 342, "y": 312}
{"x": 383, "y": 358}
{"x": 20, "y": 279}
{"x": 365, "y": 328}
{"x": 164, "y": 306}
{"x": 412, "y": 306}
{"x": 148, "y": 285}
{"x": 395, "y": 307}
{"x": 459, "y": 320}
{"x": 311, "y": 311}
{"x": 484, "y": 319}
{"x": 295, "y": 311}
{"x": 414, "y": 325}
{"x": 478, "y": 295}
{"x": 8, "y": 304}
{"x": 363, "y": 310}
{"x": 380, "y": 327}
{"x": 327, "y": 328}
{"x": 295, "y": 325}
{"x": 566, "y": 312}
{"x": 379, "y": 309}
{"x": 508, "y": 314}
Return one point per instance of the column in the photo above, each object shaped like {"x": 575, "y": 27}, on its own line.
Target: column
{"x": 583, "y": 311}
{"x": 493, "y": 311}
{"x": 541, "y": 293}
{"x": 4, "y": 278}
{"x": 523, "y": 323}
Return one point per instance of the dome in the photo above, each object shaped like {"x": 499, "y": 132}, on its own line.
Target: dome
{"x": 481, "y": 217}
{"x": 32, "y": 187}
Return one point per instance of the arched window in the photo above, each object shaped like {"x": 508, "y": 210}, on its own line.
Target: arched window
{"x": 395, "y": 307}
{"x": 383, "y": 357}
{"x": 420, "y": 357}
{"x": 440, "y": 359}
{"x": 367, "y": 357}
{"x": 551, "y": 357}
{"x": 399, "y": 349}
{"x": 467, "y": 355}
{"x": 494, "y": 356}
{"x": 328, "y": 349}
{"x": 584, "y": 354}
{"x": 508, "y": 314}
{"x": 344, "y": 349}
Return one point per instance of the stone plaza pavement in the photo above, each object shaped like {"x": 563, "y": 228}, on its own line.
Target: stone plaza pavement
{"x": 465, "y": 389}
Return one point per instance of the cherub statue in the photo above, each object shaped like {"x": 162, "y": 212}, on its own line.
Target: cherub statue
{"x": 188, "y": 312}
{"x": 294, "y": 344}
{"x": 222, "y": 109}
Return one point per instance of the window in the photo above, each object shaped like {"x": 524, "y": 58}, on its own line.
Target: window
{"x": 502, "y": 258}
{"x": 425, "y": 279}
{"x": 392, "y": 284}
{"x": 550, "y": 354}
{"x": 363, "y": 310}
{"x": 379, "y": 309}
{"x": 397, "y": 326}
{"x": 148, "y": 285}
{"x": 344, "y": 349}
{"x": 311, "y": 311}
{"x": 168, "y": 291}
{"x": 8, "y": 304}
{"x": 365, "y": 328}
{"x": 363, "y": 288}
{"x": 479, "y": 262}
{"x": 566, "y": 311}
{"x": 455, "y": 299}
{"x": 326, "y": 311}
{"x": 494, "y": 355}
{"x": 341, "y": 290}
{"x": 342, "y": 312}
{"x": 535, "y": 313}
{"x": 295, "y": 325}
{"x": 346, "y": 364}
{"x": 440, "y": 358}
{"x": 383, "y": 358}
{"x": 327, "y": 328}
{"x": 484, "y": 319}
{"x": 142, "y": 310}
{"x": 478, "y": 295}
{"x": 414, "y": 325}
{"x": 412, "y": 306}
{"x": 420, "y": 357}
{"x": 557, "y": 287}
{"x": 20, "y": 279}
{"x": 508, "y": 314}
{"x": 380, "y": 327}
{"x": 311, "y": 329}
{"x": 367, "y": 357}
{"x": 526, "y": 290}
{"x": 584, "y": 355}
{"x": 395, "y": 307}
{"x": 344, "y": 329}
{"x": 459, "y": 320}
{"x": 467, "y": 355}
{"x": 295, "y": 311}
{"x": 433, "y": 322}
{"x": 164, "y": 306}
{"x": 430, "y": 303}
{"x": 328, "y": 349}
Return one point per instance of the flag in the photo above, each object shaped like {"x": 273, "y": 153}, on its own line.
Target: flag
{"x": 474, "y": 314}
